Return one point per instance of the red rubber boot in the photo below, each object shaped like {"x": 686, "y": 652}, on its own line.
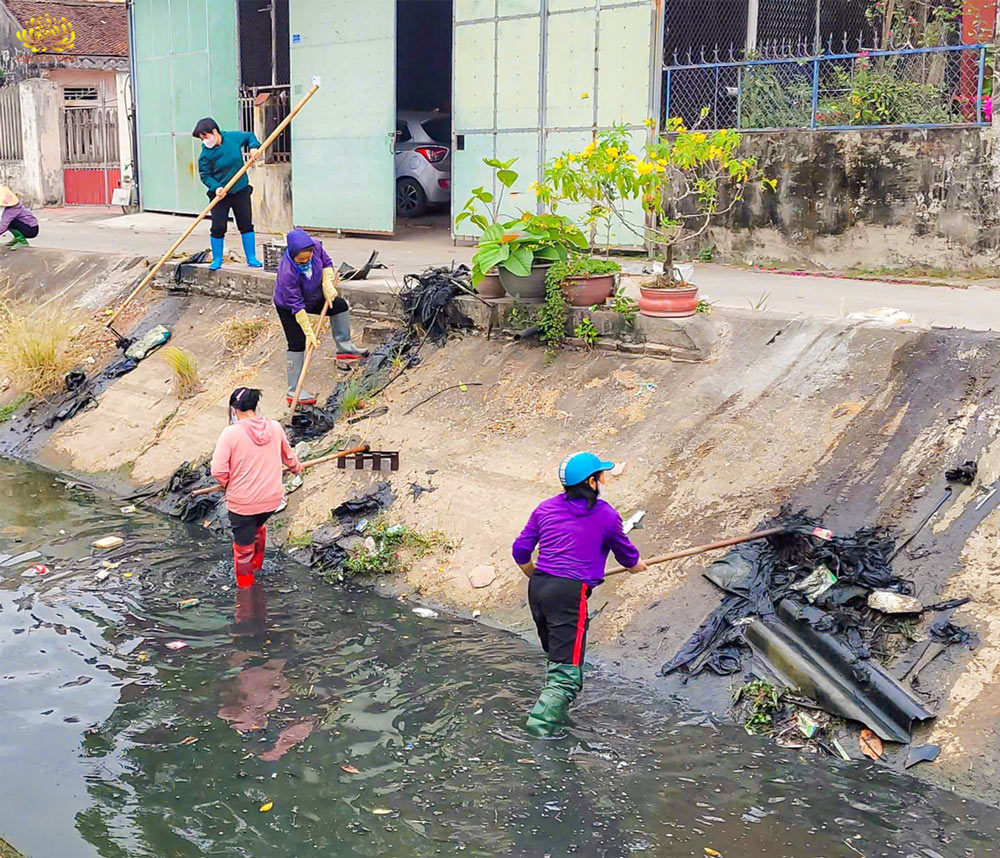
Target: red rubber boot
{"x": 243, "y": 565}
{"x": 259, "y": 546}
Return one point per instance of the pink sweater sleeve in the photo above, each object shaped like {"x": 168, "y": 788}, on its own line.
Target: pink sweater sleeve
{"x": 220, "y": 459}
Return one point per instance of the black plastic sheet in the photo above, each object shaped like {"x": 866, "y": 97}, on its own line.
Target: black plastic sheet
{"x": 427, "y": 300}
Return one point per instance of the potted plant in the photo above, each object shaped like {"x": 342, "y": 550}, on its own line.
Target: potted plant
{"x": 519, "y": 249}
{"x": 681, "y": 182}
{"x": 585, "y": 280}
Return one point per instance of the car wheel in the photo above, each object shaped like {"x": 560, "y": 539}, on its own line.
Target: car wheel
{"x": 411, "y": 201}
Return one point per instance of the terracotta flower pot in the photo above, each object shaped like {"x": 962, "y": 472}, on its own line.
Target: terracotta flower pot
{"x": 530, "y": 288}
{"x": 588, "y": 289}
{"x": 490, "y": 286}
{"x": 668, "y": 303}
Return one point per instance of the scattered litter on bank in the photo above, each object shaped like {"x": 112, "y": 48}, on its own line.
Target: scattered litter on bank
{"x": 427, "y": 300}
{"x": 106, "y": 543}
{"x": 426, "y": 613}
{"x": 964, "y": 473}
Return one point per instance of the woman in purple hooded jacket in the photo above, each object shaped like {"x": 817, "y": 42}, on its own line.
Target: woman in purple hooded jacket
{"x": 574, "y": 533}
{"x": 305, "y": 281}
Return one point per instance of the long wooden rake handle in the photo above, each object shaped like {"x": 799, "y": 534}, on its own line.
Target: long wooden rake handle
{"x": 364, "y": 448}
{"x": 310, "y": 350}
{"x": 701, "y": 549}
{"x": 263, "y": 147}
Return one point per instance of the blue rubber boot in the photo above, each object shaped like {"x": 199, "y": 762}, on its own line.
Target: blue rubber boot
{"x": 250, "y": 249}
{"x": 218, "y": 251}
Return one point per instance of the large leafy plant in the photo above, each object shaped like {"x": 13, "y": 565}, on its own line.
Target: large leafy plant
{"x": 515, "y": 243}
{"x": 667, "y": 193}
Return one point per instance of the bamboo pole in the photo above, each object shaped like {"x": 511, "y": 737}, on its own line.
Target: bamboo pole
{"x": 364, "y": 448}
{"x": 263, "y": 147}
{"x": 701, "y": 549}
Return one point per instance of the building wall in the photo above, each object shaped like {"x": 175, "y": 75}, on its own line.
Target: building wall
{"x": 37, "y": 178}
{"x": 879, "y": 199}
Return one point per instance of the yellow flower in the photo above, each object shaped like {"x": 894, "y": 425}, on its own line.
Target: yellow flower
{"x": 590, "y": 149}
{"x": 660, "y": 168}
{"x": 649, "y": 123}
{"x": 559, "y": 163}
{"x": 584, "y": 95}
{"x": 643, "y": 168}
{"x": 631, "y": 157}
{"x": 572, "y": 157}
{"x": 662, "y": 162}
{"x": 700, "y": 137}
{"x": 532, "y": 186}
{"x": 610, "y": 168}
{"x": 612, "y": 151}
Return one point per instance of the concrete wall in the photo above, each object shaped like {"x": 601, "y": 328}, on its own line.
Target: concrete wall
{"x": 38, "y": 179}
{"x": 870, "y": 199}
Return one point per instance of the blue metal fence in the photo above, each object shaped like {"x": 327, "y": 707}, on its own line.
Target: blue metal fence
{"x": 907, "y": 88}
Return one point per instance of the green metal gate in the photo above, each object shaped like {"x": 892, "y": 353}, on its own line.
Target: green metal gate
{"x": 185, "y": 56}
{"x": 535, "y": 77}
{"x": 343, "y": 175}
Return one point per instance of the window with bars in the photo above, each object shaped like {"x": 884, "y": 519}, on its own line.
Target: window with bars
{"x": 73, "y": 94}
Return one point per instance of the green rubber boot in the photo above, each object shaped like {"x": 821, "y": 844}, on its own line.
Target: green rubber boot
{"x": 562, "y": 683}
{"x": 17, "y": 241}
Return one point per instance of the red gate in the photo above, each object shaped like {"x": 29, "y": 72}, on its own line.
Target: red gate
{"x": 91, "y": 169}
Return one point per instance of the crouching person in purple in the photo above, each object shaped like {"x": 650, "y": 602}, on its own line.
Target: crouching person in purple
{"x": 304, "y": 283}
{"x": 574, "y": 532}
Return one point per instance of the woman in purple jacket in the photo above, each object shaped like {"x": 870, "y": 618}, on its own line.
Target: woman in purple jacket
{"x": 17, "y": 218}
{"x": 305, "y": 281}
{"x": 574, "y": 533}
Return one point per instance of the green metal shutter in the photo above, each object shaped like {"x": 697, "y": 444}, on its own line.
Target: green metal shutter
{"x": 186, "y": 68}
{"x": 343, "y": 173}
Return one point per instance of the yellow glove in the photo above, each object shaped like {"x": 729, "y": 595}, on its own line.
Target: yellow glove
{"x": 329, "y": 285}
{"x": 302, "y": 317}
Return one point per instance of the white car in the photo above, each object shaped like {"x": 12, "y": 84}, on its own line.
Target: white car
{"x": 423, "y": 161}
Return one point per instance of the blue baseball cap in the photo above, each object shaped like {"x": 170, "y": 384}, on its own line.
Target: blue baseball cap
{"x": 577, "y": 467}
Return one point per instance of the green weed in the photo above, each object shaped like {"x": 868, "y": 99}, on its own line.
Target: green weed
{"x": 394, "y": 544}
{"x": 184, "y": 365}
{"x": 587, "y": 332}
{"x": 8, "y": 410}
{"x": 762, "y": 701}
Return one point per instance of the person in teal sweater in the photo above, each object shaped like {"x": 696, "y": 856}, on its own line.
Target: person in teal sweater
{"x": 220, "y": 160}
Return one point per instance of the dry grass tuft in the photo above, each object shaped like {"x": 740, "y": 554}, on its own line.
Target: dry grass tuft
{"x": 37, "y": 349}
{"x": 184, "y": 366}
{"x": 239, "y": 335}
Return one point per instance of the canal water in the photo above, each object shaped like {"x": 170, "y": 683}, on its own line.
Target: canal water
{"x": 316, "y": 720}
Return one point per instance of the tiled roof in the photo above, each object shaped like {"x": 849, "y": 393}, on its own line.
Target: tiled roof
{"x": 101, "y": 28}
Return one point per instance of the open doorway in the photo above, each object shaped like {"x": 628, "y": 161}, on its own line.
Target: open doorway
{"x": 423, "y": 113}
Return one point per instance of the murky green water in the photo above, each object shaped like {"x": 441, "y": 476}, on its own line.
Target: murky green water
{"x": 98, "y": 714}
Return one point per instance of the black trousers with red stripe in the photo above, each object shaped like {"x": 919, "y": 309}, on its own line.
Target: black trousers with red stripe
{"x": 559, "y": 609}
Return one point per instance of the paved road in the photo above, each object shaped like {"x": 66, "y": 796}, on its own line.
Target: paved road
{"x": 428, "y": 243}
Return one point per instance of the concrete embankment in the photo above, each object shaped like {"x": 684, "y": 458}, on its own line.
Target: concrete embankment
{"x": 854, "y": 421}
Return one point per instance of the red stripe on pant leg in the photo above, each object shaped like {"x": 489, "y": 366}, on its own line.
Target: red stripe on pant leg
{"x": 581, "y": 626}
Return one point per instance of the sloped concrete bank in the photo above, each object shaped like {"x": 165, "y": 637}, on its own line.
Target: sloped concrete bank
{"x": 853, "y": 421}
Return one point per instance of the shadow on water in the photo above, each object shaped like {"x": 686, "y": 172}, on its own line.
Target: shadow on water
{"x": 114, "y": 744}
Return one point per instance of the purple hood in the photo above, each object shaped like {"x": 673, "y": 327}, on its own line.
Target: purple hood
{"x": 293, "y": 291}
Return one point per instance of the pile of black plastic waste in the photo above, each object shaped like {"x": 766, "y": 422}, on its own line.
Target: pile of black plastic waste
{"x": 757, "y": 576}
{"x": 427, "y": 300}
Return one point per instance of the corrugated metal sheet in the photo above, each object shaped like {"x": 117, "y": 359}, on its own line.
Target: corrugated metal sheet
{"x": 185, "y": 52}
{"x": 343, "y": 142}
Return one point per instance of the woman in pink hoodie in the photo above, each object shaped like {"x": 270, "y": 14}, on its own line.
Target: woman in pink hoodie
{"x": 248, "y": 462}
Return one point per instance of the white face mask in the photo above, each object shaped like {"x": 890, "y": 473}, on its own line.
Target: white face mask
{"x": 209, "y": 144}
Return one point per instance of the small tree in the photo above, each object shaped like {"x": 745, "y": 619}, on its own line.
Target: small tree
{"x": 682, "y": 182}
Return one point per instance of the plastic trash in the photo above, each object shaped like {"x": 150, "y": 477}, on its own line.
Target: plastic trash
{"x": 921, "y": 754}
{"x": 189, "y": 603}
{"x": 148, "y": 343}
{"x": 634, "y": 521}
{"x": 20, "y": 558}
{"x": 816, "y": 583}
{"x": 807, "y": 725}
{"x": 890, "y": 602}
{"x": 426, "y": 613}
{"x": 176, "y": 645}
{"x": 128, "y": 510}
{"x": 106, "y": 543}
